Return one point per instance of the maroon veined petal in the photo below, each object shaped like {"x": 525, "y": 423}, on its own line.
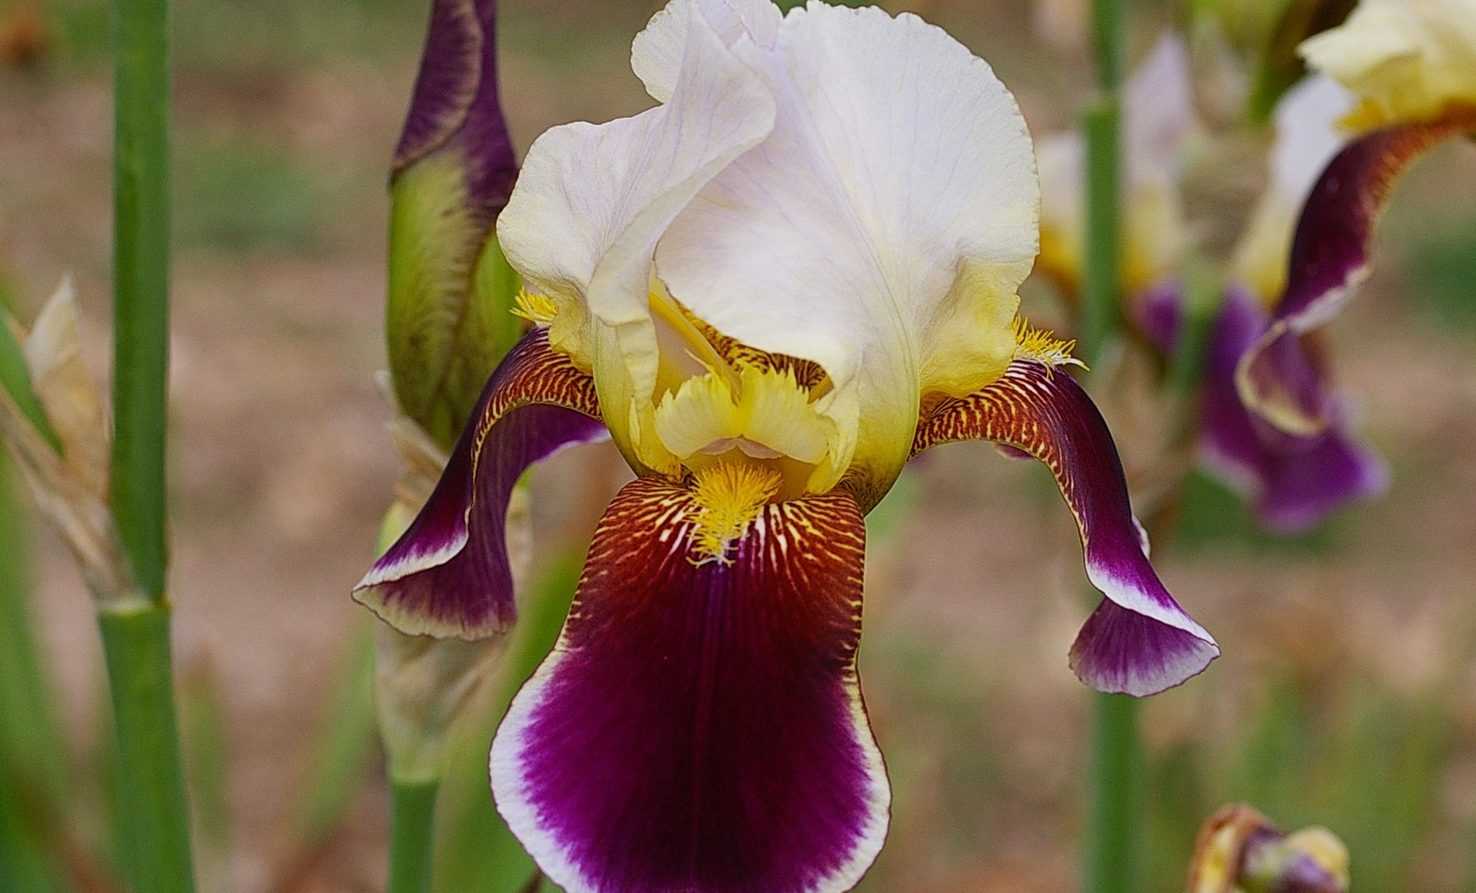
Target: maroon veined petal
{"x": 1277, "y": 377}
{"x": 448, "y": 574}
{"x": 1138, "y": 641}
{"x": 1295, "y": 482}
{"x": 699, "y": 726}
{"x": 456, "y": 97}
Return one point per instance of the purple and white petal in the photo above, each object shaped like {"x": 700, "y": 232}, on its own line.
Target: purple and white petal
{"x": 699, "y": 726}
{"x": 1138, "y": 641}
{"x": 1278, "y": 378}
{"x": 448, "y": 575}
{"x": 1294, "y": 482}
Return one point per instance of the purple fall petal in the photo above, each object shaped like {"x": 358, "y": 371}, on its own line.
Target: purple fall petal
{"x": 1119, "y": 650}
{"x": 1140, "y": 641}
{"x": 1295, "y": 482}
{"x": 1330, "y": 258}
{"x": 699, "y": 726}
{"x": 449, "y": 575}
{"x": 456, "y": 97}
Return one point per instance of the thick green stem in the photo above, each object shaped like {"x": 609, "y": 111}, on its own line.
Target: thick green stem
{"x": 135, "y": 626}
{"x": 1113, "y": 821}
{"x": 1113, "y": 827}
{"x": 412, "y": 838}
{"x": 141, "y": 282}
{"x": 156, "y": 821}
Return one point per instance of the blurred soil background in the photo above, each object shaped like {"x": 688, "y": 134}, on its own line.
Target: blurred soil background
{"x": 1347, "y": 691}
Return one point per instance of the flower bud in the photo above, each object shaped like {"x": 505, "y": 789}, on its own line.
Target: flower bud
{"x": 1240, "y": 851}
{"x": 450, "y": 290}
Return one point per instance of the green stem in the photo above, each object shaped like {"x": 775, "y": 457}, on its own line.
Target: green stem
{"x": 140, "y": 282}
{"x": 1099, "y": 312}
{"x": 135, "y": 635}
{"x": 1107, "y": 43}
{"x": 1112, "y": 824}
{"x": 135, "y": 626}
{"x": 32, "y": 755}
{"x": 412, "y": 823}
{"x": 1114, "y": 778}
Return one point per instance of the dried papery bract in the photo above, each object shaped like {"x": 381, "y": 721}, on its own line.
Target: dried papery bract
{"x": 69, "y": 484}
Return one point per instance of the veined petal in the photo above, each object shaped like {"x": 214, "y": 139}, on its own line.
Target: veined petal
{"x": 1330, "y": 258}
{"x": 880, "y": 230}
{"x": 593, "y": 200}
{"x": 656, "y": 54}
{"x": 1294, "y": 482}
{"x": 699, "y": 726}
{"x": 1138, "y": 641}
{"x": 448, "y": 575}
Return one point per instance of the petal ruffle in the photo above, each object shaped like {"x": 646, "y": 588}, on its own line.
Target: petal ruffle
{"x": 593, "y": 200}
{"x": 865, "y": 233}
{"x": 1138, "y": 641}
{"x": 448, "y": 575}
{"x": 699, "y": 726}
{"x": 1295, "y": 481}
{"x": 1278, "y": 378}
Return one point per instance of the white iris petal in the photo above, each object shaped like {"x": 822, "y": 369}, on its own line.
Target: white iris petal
{"x": 835, "y": 185}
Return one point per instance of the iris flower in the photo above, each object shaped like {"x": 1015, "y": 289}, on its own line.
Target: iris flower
{"x": 1293, "y": 482}
{"x": 793, "y": 274}
{"x": 1411, "y": 67}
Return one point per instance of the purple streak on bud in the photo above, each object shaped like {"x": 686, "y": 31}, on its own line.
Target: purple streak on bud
{"x": 456, "y": 99}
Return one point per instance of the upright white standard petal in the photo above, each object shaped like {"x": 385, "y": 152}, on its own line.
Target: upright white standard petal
{"x": 656, "y": 54}
{"x": 592, "y": 201}
{"x": 1307, "y": 137}
{"x": 882, "y": 228}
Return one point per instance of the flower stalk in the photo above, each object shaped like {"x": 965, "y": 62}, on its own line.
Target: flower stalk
{"x": 135, "y": 625}
{"x": 141, "y": 283}
{"x": 1115, "y": 749}
{"x": 412, "y": 824}
{"x": 135, "y": 636}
